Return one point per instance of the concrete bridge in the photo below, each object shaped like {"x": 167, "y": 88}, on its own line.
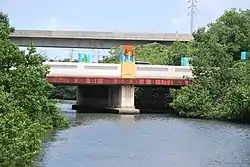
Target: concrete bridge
{"x": 101, "y": 85}
{"x": 91, "y": 39}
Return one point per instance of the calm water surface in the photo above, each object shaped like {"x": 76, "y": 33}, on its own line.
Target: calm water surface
{"x": 145, "y": 141}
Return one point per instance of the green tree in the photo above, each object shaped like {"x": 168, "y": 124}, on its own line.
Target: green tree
{"x": 25, "y": 110}
{"x": 155, "y": 53}
{"x": 113, "y": 57}
{"x": 178, "y": 50}
{"x": 220, "y": 87}
{"x": 64, "y": 92}
{"x": 231, "y": 30}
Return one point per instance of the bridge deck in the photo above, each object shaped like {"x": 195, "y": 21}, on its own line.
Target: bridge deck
{"x": 80, "y": 73}
{"x": 91, "y": 39}
{"x": 100, "y": 35}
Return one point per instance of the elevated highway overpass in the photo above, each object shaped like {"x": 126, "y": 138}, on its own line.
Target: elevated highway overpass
{"x": 91, "y": 39}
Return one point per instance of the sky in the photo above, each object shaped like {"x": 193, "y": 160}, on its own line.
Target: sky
{"x": 157, "y": 16}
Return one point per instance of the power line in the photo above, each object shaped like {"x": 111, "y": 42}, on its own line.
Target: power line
{"x": 192, "y": 13}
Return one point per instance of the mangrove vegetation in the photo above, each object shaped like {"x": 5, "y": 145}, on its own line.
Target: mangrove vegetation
{"x": 26, "y": 112}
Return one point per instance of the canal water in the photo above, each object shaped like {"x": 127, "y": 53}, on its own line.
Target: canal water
{"x": 96, "y": 140}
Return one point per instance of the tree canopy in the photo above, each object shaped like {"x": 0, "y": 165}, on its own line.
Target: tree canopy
{"x": 221, "y": 87}
{"x": 154, "y": 53}
{"x": 25, "y": 110}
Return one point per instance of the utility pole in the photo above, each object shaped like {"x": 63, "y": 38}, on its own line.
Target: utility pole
{"x": 192, "y": 13}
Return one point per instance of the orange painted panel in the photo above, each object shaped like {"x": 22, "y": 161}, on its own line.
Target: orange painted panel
{"x": 128, "y": 70}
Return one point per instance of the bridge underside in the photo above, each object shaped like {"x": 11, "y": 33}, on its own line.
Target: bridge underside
{"x": 92, "y": 39}
{"x": 116, "y": 81}
{"x": 115, "y": 98}
{"x": 83, "y": 43}
{"x": 112, "y": 94}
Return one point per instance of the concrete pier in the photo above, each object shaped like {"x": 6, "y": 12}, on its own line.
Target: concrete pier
{"x": 118, "y": 98}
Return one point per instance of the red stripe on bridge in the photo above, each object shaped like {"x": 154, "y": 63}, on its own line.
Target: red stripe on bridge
{"x": 116, "y": 81}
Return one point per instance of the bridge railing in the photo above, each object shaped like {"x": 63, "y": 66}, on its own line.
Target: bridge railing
{"x": 84, "y": 69}
{"x": 160, "y": 71}
{"x": 114, "y": 70}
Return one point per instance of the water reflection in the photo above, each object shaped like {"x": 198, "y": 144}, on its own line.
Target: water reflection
{"x": 127, "y": 119}
{"x": 96, "y": 140}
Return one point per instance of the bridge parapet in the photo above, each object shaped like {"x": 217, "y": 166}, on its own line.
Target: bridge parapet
{"x": 84, "y": 69}
{"x": 114, "y": 70}
{"x": 160, "y": 71}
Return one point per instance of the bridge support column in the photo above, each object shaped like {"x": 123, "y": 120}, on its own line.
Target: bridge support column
{"x": 118, "y": 98}
{"x": 121, "y": 98}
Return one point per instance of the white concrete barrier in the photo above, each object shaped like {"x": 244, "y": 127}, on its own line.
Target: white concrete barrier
{"x": 114, "y": 70}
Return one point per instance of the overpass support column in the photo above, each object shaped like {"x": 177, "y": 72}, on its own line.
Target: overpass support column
{"x": 122, "y": 98}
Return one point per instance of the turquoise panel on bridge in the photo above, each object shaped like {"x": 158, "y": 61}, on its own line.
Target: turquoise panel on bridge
{"x": 85, "y": 57}
{"x": 185, "y": 61}
{"x": 245, "y": 56}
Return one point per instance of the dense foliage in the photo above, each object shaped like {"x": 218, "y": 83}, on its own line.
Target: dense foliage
{"x": 154, "y": 53}
{"x": 25, "y": 110}
{"x": 222, "y": 92}
{"x": 221, "y": 86}
{"x": 63, "y": 92}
